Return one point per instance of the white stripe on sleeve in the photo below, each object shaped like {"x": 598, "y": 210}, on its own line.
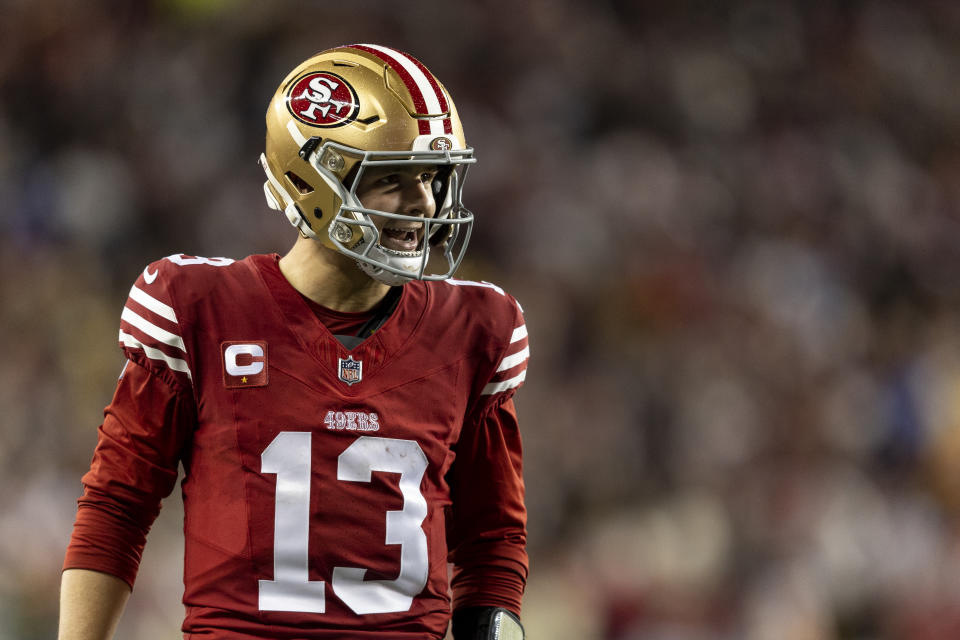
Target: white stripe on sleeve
{"x": 144, "y": 299}
{"x": 176, "y": 364}
{"x": 152, "y": 330}
{"x": 497, "y": 387}
{"x": 513, "y": 360}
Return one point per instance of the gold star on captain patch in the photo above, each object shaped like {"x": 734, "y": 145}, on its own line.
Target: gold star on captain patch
{"x": 243, "y": 379}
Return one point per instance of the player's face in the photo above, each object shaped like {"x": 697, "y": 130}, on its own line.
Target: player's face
{"x": 405, "y": 190}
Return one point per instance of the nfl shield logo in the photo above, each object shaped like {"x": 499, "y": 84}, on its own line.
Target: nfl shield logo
{"x": 351, "y": 371}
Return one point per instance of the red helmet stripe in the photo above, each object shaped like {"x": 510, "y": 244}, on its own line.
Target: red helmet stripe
{"x": 441, "y": 96}
{"x": 420, "y": 83}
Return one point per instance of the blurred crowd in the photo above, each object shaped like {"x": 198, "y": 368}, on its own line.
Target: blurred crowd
{"x": 734, "y": 227}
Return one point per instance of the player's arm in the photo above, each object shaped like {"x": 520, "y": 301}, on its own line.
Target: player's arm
{"x": 91, "y": 604}
{"x": 139, "y": 444}
{"x": 134, "y": 467}
{"x": 487, "y": 532}
{"x": 487, "y": 527}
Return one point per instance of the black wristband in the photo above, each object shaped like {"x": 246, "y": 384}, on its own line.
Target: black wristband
{"x": 486, "y": 623}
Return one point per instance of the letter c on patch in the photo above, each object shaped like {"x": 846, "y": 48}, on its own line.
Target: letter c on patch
{"x": 231, "y": 353}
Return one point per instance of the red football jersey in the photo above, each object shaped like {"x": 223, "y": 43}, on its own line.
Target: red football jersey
{"x": 326, "y": 489}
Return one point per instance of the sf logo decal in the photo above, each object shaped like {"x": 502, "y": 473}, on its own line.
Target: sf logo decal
{"x": 323, "y": 99}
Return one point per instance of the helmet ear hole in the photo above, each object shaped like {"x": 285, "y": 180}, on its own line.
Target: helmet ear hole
{"x": 298, "y": 183}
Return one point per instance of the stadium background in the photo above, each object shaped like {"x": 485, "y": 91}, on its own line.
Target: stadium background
{"x": 734, "y": 228}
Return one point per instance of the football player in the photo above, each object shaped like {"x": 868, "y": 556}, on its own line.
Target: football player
{"x": 344, "y": 414}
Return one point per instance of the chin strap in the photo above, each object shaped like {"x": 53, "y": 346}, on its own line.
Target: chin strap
{"x": 486, "y": 623}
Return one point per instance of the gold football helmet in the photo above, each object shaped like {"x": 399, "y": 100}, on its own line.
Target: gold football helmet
{"x": 343, "y": 111}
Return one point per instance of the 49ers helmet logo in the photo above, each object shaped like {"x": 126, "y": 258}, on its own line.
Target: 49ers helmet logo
{"x": 323, "y": 99}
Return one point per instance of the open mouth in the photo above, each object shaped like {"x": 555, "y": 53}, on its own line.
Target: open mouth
{"x": 404, "y": 239}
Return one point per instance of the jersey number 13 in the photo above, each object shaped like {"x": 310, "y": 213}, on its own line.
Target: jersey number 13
{"x": 288, "y": 456}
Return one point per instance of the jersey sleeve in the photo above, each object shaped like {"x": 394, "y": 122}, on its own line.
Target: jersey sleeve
{"x": 511, "y": 368}
{"x": 150, "y": 329}
{"x": 487, "y": 529}
{"x": 134, "y": 467}
{"x": 142, "y": 436}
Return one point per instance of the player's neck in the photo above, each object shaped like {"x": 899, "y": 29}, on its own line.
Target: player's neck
{"x": 330, "y": 278}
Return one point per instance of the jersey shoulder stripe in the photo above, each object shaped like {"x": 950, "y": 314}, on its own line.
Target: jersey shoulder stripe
{"x": 510, "y": 383}
{"x": 161, "y": 308}
{"x": 135, "y": 320}
{"x": 149, "y": 326}
{"x": 512, "y": 369}
{"x": 175, "y": 364}
{"x": 146, "y": 300}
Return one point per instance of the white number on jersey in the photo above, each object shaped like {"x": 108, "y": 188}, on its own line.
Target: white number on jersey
{"x": 184, "y": 260}
{"x": 288, "y": 456}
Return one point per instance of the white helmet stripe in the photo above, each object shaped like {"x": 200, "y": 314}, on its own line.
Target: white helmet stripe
{"x": 427, "y": 93}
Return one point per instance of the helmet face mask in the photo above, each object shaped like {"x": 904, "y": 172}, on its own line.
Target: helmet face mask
{"x": 354, "y": 230}
{"x": 355, "y": 109}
